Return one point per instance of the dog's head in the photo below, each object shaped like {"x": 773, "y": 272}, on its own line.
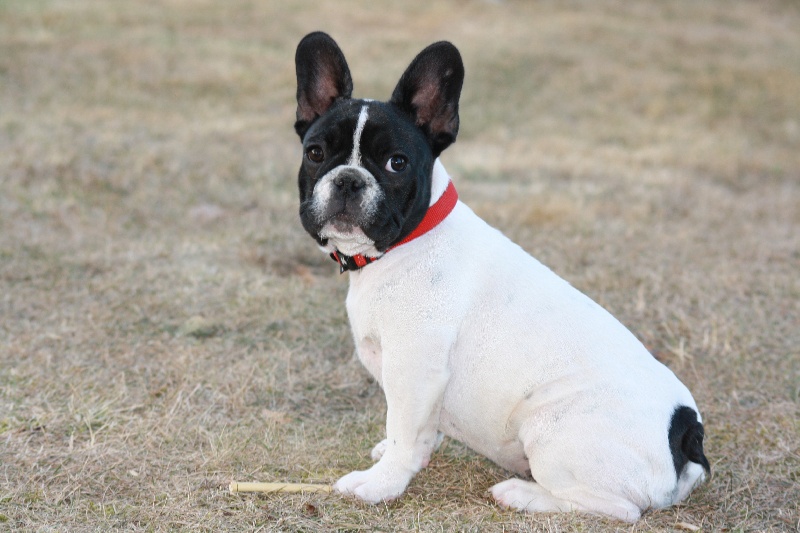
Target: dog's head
{"x": 365, "y": 180}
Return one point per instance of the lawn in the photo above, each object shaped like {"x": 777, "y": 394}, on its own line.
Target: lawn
{"x": 166, "y": 326}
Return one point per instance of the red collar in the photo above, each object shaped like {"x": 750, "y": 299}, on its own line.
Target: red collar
{"x": 435, "y": 214}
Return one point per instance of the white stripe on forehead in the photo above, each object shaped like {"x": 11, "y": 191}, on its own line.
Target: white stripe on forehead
{"x": 355, "y": 156}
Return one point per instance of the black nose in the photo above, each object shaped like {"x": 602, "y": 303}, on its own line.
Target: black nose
{"x": 349, "y": 182}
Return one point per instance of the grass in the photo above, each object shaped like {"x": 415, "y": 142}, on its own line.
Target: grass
{"x": 166, "y": 326}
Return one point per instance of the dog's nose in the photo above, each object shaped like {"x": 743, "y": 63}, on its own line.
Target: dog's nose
{"x": 347, "y": 182}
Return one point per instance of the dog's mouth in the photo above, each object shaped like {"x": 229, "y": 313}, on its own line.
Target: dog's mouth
{"x": 341, "y": 222}
{"x": 346, "y": 214}
{"x": 344, "y": 222}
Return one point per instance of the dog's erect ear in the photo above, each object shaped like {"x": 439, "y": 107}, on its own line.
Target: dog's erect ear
{"x": 429, "y": 90}
{"x": 322, "y": 78}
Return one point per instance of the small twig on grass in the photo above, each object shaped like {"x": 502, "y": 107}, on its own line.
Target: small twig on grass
{"x": 236, "y": 486}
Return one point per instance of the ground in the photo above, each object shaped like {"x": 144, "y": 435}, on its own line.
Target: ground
{"x": 166, "y": 326}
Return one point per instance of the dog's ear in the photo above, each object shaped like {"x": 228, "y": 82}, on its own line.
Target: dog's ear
{"x": 322, "y": 78}
{"x": 429, "y": 90}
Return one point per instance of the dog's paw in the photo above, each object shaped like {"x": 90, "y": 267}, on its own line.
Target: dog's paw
{"x": 379, "y": 449}
{"x": 380, "y": 483}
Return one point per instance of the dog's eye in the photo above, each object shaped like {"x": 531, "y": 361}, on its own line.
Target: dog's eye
{"x": 396, "y": 163}
{"x": 315, "y": 154}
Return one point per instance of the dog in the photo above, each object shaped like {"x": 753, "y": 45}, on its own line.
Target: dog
{"x": 467, "y": 334}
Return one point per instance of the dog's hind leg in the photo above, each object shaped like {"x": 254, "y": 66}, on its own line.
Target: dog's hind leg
{"x": 531, "y": 497}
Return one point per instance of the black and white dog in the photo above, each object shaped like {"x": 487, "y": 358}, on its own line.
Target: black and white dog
{"x": 468, "y": 335}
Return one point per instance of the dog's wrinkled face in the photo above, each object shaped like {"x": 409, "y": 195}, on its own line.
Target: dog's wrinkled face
{"x": 365, "y": 180}
{"x": 362, "y": 183}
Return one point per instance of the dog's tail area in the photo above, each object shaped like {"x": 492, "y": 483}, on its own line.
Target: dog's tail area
{"x": 686, "y": 440}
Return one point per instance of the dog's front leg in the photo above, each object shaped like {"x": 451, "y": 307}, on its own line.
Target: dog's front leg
{"x": 414, "y": 376}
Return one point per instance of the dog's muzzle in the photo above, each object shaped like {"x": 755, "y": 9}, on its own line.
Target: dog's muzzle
{"x": 347, "y": 195}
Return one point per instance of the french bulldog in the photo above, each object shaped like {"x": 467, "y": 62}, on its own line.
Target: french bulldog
{"x": 467, "y": 334}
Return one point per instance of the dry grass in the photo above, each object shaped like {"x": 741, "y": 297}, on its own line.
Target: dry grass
{"x": 649, "y": 152}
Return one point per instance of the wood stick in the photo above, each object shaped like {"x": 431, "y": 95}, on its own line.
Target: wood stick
{"x": 237, "y": 486}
